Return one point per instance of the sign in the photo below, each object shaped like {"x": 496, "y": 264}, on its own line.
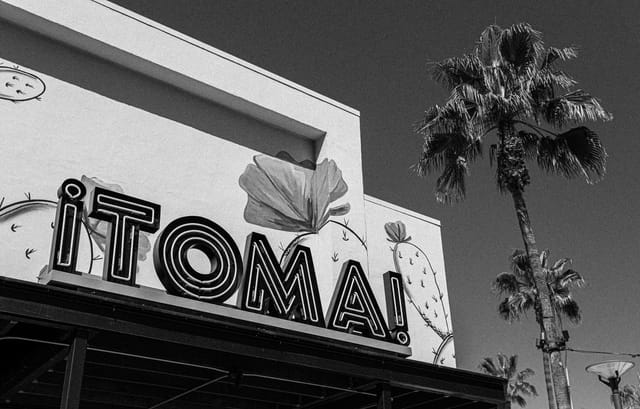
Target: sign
{"x": 287, "y": 185}
{"x": 287, "y": 290}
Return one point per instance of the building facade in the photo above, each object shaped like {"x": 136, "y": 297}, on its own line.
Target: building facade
{"x": 180, "y": 228}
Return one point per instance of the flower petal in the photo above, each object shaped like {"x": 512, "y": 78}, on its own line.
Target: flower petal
{"x": 339, "y": 210}
{"x": 288, "y": 197}
{"x": 276, "y": 194}
{"x": 396, "y": 232}
{"x": 98, "y": 229}
{"x": 326, "y": 185}
{"x": 334, "y": 211}
{"x": 91, "y": 183}
{"x": 263, "y": 215}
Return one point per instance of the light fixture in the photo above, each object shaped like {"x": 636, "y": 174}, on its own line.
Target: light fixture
{"x": 609, "y": 373}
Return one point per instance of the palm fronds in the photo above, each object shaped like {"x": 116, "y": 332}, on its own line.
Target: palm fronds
{"x": 563, "y": 54}
{"x": 575, "y": 106}
{"x": 458, "y": 70}
{"x": 521, "y": 45}
{"x": 520, "y": 293}
{"x": 510, "y": 78}
{"x": 577, "y": 152}
{"x": 506, "y": 367}
{"x": 630, "y": 396}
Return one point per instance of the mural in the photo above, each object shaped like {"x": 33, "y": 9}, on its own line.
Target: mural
{"x": 96, "y": 231}
{"x": 19, "y": 86}
{"x": 418, "y": 273}
{"x": 296, "y": 197}
{"x": 287, "y": 197}
{"x": 11, "y": 211}
{"x": 317, "y": 203}
{"x": 16, "y": 86}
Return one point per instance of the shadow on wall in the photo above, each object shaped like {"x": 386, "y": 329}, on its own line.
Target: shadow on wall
{"x": 121, "y": 84}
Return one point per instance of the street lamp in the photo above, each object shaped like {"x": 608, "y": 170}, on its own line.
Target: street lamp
{"x": 609, "y": 373}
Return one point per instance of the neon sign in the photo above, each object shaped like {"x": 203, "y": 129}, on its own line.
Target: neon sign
{"x": 264, "y": 286}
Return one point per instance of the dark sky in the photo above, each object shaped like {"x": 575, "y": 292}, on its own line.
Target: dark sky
{"x": 372, "y": 55}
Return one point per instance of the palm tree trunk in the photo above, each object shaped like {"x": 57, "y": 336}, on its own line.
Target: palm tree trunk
{"x": 557, "y": 382}
{"x": 547, "y": 375}
{"x": 551, "y": 397}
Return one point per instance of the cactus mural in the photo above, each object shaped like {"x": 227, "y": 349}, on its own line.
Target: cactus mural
{"x": 319, "y": 205}
{"x": 18, "y": 86}
{"x": 42, "y": 211}
{"x": 422, "y": 286}
{"x": 301, "y": 198}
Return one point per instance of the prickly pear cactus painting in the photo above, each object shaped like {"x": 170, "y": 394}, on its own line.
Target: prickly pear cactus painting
{"x": 19, "y": 86}
{"x": 22, "y": 223}
{"x": 422, "y": 288}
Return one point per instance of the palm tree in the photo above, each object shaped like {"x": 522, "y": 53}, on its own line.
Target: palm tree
{"x": 630, "y": 395}
{"x": 508, "y": 86}
{"x": 519, "y": 287}
{"x": 506, "y": 367}
{"x": 521, "y": 295}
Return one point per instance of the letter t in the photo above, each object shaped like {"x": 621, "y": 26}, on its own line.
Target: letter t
{"x": 127, "y": 216}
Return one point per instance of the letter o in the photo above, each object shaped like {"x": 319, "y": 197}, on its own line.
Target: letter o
{"x": 176, "y": 273}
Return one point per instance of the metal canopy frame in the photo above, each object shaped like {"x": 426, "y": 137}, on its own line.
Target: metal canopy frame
{"x": 69, "y": 348}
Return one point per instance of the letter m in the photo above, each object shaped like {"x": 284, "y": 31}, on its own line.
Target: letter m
{"x": 266, "y": 288}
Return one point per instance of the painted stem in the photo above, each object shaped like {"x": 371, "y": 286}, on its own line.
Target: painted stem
{"x": 86, "y": 227}
{"x": 24, "y": 205}
{"x": 344, "y": 226}
{"x": 32, "y": 204}
{"x": 92, "y": 230}
{"x": 296, "y": 240}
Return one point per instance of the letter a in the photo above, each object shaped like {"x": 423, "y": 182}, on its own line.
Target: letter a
{"x": 353, "y": 307}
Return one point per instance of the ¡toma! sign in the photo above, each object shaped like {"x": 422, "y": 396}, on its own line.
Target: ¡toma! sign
{"x": 263, "y": 285}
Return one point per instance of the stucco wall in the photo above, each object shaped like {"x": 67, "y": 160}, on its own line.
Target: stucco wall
{"x": 169, "y": 120}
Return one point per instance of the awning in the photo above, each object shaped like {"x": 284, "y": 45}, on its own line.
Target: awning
{"x": 69, "y": 348}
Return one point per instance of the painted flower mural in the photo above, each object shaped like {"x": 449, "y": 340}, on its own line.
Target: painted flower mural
{"x": 98, "y": 229}
{"x": 396, "y": 232}
{"x": 297, "y": 197}
{"x": 422, "y": 287}
{"x": 287, "y": 197}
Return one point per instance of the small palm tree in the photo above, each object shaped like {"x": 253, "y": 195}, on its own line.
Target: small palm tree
{"x": 508, "y": 87}
{"x": 506, "y": 367}
{"x": 630, "y": 395}
{"x": 521, "y": 294}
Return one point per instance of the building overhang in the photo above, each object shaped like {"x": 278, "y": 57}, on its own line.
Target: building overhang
{"x": 144, "y": 355}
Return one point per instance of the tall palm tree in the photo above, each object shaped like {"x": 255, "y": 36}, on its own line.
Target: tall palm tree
{"x": 521, "y": 296}
{"x": 507, "y": 87}
{"x": 506, "y": 367}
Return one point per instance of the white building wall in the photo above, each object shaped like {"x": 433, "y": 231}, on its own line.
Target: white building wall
{"x": 140, "y": 108}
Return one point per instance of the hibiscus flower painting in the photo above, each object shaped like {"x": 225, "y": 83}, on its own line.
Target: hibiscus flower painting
{"x": 289, "y": 197}
{"x": 98, "y": 229}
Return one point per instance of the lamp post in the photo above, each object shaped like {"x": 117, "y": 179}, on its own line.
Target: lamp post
{"x": 609, "y": 373}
